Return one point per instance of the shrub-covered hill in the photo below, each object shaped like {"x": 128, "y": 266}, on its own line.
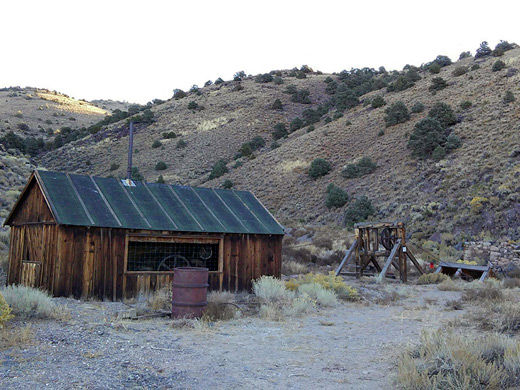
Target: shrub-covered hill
{"x": 451, "y": 171}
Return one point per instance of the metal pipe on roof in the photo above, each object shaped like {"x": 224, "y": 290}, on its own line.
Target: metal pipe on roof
{"x": 130, "y": 148}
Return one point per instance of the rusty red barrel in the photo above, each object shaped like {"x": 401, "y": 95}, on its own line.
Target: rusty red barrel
{"x": 189, "y": 292}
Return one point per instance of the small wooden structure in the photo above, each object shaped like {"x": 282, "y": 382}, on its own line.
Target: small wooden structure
{"x": 465, "y": 271}
{"x": 376, "y": 240}
{"x": 86, "y": 236}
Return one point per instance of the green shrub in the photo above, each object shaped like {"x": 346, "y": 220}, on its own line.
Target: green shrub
{"x": 345, "y": 98}
{"x": 28, "y": 302}
{"x": 160, "y": 166}
{"x": 434, "y": 68}
{"x": 274, "y": 145}
{"x": 263, "y": 78}
{"x": 327, "y": 119}
{"x": 336, "y": 197}
{"x": 426, "y": 136}
{"x": 279, "y": 131}
{"x": 319, "y": 294}
{"x": 498, "y": 65}
{"x": 160, "y": 179}
{"x": 238, "y": 76}
{"x": 319, "y": 167}
{"x": 400, "y": 84}
{"x": 169, "y": 135}
{"x": 296, "y": 124}
{"x": 277, "y": 105}
{"x": 396, "y": 113}
{"x": 442, "y": 60}
{"x": 136, "y": 175}
{"x": 378, "y": 101}
{"x": 310, "y": 129}
{"x": 227, "y": 184}
{"x": 179, "y": 94}
{"x": 208, "y": 83}
{"x": 452, "y": 142}
{"x": 114, "y": 166}
{"x": 219, "y": 81}
{"x": 459, "y": 71}
{"x": 246, "y": 150}
{"x": 181, "y": 144}
{"x": 509, "y": 97}
{"x": 464, "y": 54}
{"x": 193, "y": 105}
{"x": 363, "y": 167}
{"x": 301, "y": 96}
{"x": 277, "y": 80}
{"x": 337, "y": 115}
{"x": 359, "y": 211}
{"x": 438, "y": 153}
{"x": 483, "y": 50}
{"x": 257, "y": 142}
{"x": 443, "y": 113}
{"x": 417, "y": 107}
{"x": 381, "y": 133}
{"x": 156, "y": 144}
{"x": 218, "y": 170}
{"x": 475, "y": 67}
{"x": 437, "y": 84}
{"x": 194, "y": 89}
{"x": 465, "y": 104}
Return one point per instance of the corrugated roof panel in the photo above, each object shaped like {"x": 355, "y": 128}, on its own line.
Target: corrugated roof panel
{"x": 221, "y": 211}
{"x": 63, "y": 199}
{"x": 93, "y": 201}
{"x": 260, "y": 211}
{"x": 105, "y": 202}
{"x": 198, "y": 209}
{"x": 174, "y": 208}
{"x": 251, "y": 222}
{"x": 150, "y": 208}
{"x": 121, "y": 204}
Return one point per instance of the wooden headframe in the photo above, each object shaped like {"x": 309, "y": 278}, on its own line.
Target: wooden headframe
{"x": 380, "y": 240}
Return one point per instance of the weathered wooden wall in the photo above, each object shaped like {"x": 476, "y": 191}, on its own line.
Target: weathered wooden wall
{"x": 90, "y": 262}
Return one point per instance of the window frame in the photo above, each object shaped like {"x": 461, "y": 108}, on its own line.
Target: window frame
{"x": 173, "y": 239}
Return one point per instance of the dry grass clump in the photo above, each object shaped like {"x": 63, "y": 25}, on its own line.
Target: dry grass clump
{"x": 488, "y": 291}
{"x": 16, "y": 337}
{"x": 432, "y": 278}
{"x": 449, "y": 285}
{"x": 221, "y": 306}
{"x": 511, "y": 283}
{"x": 5, "y": 311}
{"x": 391, "y": 295}
{"x": 316, "y": 292}
{"x": 328, "y": 282}
{"x": 454, "y": 362}
{"x": 291, "y": 267}
{"x": 28, "y": 302}
{"x": 161, "y": 299}
{"x": 278, "y": 303}
{"x": 503, "y": 318}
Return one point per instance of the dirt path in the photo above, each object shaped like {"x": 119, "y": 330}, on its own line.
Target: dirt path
{"x": 352, "y": 346}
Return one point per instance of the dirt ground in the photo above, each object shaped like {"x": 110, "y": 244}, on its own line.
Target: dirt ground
{"x": 353, "y": 345}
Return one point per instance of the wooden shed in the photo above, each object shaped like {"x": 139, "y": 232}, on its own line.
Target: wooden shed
{"x": 87, "y": 236}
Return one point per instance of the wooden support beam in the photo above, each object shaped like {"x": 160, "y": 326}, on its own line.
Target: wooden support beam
{"x": 346, "y": 257}
{"x": 376, "y": 264}
{"x": 391, "y": 258}
{"x": 484, "y": 274}
{"x": 438, "y": 270}
{"x": 414, "y": 260}
{"x": 457, "y": 274}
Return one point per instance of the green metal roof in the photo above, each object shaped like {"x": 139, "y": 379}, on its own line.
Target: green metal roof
{"x": 107, "y": 202}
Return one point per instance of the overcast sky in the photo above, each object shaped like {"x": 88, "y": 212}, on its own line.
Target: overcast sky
{"x": 141, "y": 50}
